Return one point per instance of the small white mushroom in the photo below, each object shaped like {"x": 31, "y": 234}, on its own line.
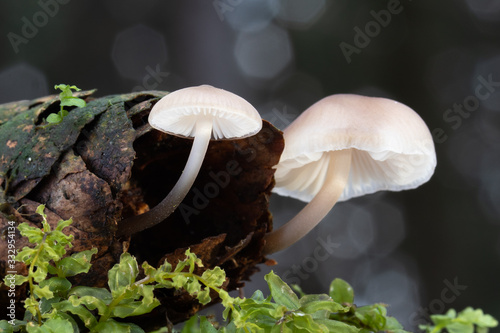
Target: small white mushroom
{"x": 202, "y": 113}
{"x": 346, "y": 146}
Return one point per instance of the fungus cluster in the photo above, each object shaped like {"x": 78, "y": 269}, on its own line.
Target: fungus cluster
{"x": 341, "y": 147}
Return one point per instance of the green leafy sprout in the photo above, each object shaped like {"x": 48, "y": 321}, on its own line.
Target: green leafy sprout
{"x": 67, "y": 99}
{"x": 53, "y": 304}
{"x": 463, "y": 322}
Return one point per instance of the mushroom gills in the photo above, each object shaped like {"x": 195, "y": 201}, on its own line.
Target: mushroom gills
{"x": 336, "y": 178}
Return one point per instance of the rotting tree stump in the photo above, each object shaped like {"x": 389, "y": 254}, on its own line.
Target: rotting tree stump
{"x": 104, "y": 163}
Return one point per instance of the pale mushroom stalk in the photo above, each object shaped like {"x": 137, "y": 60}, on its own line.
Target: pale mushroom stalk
{"x": 312, "y": 214}
{"x": 202, "y": 113}
{"x": 168, "y": 205}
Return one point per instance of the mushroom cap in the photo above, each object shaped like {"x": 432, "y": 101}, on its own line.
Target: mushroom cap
{"x": 392, "y": 147}
{"x": 178, "y": 112}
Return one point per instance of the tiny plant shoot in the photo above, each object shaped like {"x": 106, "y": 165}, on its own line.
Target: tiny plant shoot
{"x": 53, "y": 304}
{"x": 67, "y": 99}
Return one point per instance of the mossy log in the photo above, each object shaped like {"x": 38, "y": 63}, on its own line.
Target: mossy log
{"x": 104, "y": 163}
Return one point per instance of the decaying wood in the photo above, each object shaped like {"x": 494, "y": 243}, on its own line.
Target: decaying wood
{"x": 104, "y": 163}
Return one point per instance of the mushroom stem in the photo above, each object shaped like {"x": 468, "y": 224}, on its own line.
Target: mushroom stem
{"x": 167, "y": 206}
{"x": 336, "y": 179}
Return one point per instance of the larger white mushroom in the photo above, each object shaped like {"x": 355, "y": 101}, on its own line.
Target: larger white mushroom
{"x": 346, "y": 146}
{"x": 202, "y": 113}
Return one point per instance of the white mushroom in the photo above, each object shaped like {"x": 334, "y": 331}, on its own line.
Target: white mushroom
{"x": 346, "y": 146}
{"x": 202, "y": 113}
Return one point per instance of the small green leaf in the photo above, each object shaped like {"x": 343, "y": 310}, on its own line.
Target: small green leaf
{"x": 130, "y": 307}
{"x": 460, "y": 328}
{"x": 100, "y": 293}
{"x": 180, "y": 266}
{"x": 298, "y": 290}
{"x": 204, "y": 296}
{"x": 258, "y": 296}
{"x": 6, "y": 327}
{"x": 32, "y": 305}
{"x": 122, "y": 274}
{"x": 56, "y": 325}
{"x": 34, "y": 234}
{"x": 283, "y": 328}
{"x": 191, "y": 325}
{"x": 19, "y": 279}
{"x": 227, "y": 300}
{"x": 113, "y": 326}
{"x": 62, "y": 113}
{"x": 179, "y": 281}
{"x": 392, "y": 324}
{"x": 54, "y": 118}
{"x": 42, "y": 292}
{"x": 68, "y": 317}
{"x": 462, "y": 322}
{"x": 281, "y": 292}
{"x": 73, "y": 101}
{"x": 337, "y": 326}
{"x": 63, "y": 224}
{"x": 77, "y": 263}
{"x": 62, "y": 87}
{"x": 341, "y": 292}
{"x": 50, "y": 252}
{"x": 65, "y": 90}
{"x": 85, "y": 315}
{"x": 214, "y": 277}
{"x": 26, "y": 255}
{"x": 312, "y": 303}
{"x": 40, "y": 210}
{"x": 57, "y": 285}
{"x": 193, "y": 286}
{"x": 90, "y": 303}
{"x": 373, "y": 316}
{"x": 166, "y": 267}
{"x": 444, "y": 319}
{"x": 206, "y": 326}
{"x": 45, "y": 305}
{"x": 487, "y": 321}
{"x": 303, "y": 323}
{"x": 148, "y": 269}
{"x": 477, "y": 317}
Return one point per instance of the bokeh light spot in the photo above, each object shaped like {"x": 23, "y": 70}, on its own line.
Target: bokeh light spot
{"x": 299, "y": 14}
{"x": 250, "y": 15}
{"x": 131, "y": 10}
{"x": 361, "y": 229}
{"x": 488, "y": 70}
{"x": 22, "y": 81}
{"x": 390, "y": 228}
{"x": 485, "y": 9}
{"x": 265, "y": 53}
{"x": 137, "y": 48}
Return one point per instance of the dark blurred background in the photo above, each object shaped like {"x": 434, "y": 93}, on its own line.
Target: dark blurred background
{"x": 421, "y": 251}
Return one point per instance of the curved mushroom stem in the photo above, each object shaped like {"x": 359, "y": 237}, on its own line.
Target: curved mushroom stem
{"x": 167, "y": 206}
{"x": 336, "y": 179}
